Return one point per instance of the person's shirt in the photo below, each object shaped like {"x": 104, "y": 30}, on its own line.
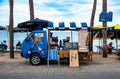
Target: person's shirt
{"x": 109, "y": 46}
{"x": 4, "y": 43}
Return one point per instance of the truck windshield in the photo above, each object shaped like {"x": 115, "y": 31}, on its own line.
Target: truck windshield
{"x": 35, "y": 37}
{"x": 38, "y": 36}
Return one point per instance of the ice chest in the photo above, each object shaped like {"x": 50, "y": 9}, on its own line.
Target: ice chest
{"x": 52, "y": 54}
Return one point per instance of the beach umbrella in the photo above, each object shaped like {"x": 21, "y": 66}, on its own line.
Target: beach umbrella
{"x": 33, "y": 24}
{"x": 117, "y": 26}
{"x": 97, "y": 31}
{"x": 99, "y": 26}
{"x": 117, "y": 33}
{"x": 115, "y": 29}
{"x": 112, "y": 32}
{"x": 16, "y": 29}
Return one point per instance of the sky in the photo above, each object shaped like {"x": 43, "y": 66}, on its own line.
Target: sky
{"x": 77, "y": 11}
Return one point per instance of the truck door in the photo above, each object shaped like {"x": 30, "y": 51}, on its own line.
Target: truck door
{"x": 34, "y": 41}
{"x": 37, "y": 41}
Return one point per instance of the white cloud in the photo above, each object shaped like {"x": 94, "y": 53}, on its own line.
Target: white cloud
{"x": 57, "y": 11}
{"x": 4, "y": 15}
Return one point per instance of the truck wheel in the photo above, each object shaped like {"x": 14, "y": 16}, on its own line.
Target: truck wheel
{"x": 35, "y": 59}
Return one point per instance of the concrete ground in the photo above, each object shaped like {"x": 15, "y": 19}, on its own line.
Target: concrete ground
{"x": 99, "y": 68}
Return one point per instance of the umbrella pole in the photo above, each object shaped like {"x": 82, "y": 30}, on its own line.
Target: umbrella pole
{"x": 116, "y": 44}
{"x": 99, "y": 45}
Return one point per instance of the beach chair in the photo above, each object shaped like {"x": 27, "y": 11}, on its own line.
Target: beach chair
{"x": 18, "y": 47}
{"x": 3, "y": 48}
{"x": 99, "y": 49}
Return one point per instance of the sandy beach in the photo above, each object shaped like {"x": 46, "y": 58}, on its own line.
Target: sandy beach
{"x": 97, "y": 59}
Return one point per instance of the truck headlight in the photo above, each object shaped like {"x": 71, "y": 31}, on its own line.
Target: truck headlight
{"x": 29, "y": 52}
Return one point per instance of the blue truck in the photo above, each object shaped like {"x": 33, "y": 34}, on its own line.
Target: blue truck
{"x": 35, "y": 47}
{"x": 37, "y": 44}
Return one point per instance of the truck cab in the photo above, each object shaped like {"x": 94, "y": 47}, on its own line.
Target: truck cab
{"x": 35, "y": 47}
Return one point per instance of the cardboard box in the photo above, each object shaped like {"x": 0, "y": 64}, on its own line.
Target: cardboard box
{"x": 74, "y": 61}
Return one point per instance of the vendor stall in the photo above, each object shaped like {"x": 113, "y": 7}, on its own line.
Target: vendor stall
{"x": 80, "y": 45}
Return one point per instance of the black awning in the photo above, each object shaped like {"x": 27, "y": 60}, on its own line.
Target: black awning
{"x": 33, "y": 24}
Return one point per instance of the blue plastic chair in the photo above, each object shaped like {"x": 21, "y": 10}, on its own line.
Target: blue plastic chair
{"x": 52, "y": 55}
{"x": 50, "y": 25}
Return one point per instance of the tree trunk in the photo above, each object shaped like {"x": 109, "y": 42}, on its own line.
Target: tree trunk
{"x": 92, "y": 24}
{"x": 31, "y": 7}
{"x": 104, "y": 30}
{"x": 11, "y": 29}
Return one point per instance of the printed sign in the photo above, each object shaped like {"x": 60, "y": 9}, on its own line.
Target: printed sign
{"x": 74, "y": 61}
{"x": 106, "y": 16}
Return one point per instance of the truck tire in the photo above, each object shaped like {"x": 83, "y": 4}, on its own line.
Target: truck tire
{"x": 35, "y": 59}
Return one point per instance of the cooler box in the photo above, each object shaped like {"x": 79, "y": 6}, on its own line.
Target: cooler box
{"x": 52, "y": 54}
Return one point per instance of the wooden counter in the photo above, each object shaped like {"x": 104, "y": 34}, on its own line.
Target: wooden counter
{"x": 63, "y": 53}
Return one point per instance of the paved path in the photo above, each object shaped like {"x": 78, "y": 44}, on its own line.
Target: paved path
{"x": 99, "y": 68}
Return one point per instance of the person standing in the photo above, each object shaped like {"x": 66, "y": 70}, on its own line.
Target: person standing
{"x": 4, "y": 45}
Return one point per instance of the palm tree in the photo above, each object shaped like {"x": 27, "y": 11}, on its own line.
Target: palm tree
{"x": 104, "y": 8}
{"x": 11, "y": 29}
{"x": 31, "y": 7}
{"x": 92, "y": 24}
